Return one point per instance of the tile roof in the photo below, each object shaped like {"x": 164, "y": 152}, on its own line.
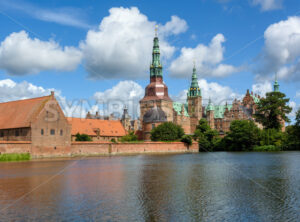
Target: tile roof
{"x": 20, "y": 113}
{"x": 90, "y": 127}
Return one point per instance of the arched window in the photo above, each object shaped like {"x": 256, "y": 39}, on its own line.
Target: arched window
{"x": 52, "y": 132}
{"x": 42, "y": 131}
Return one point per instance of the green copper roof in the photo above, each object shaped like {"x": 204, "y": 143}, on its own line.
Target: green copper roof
{"x": 155, "y": 67}
{"x": 276, "y": 86}
{"x": 178, "y": 106}
{"x": 209, "y": 107}
{"x": 194, "y": 89}
{"x": 219, "y": 110}
{"x": 256, "y": 99}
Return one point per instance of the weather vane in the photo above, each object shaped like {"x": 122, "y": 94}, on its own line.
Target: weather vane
{"x": 156, "y": 28}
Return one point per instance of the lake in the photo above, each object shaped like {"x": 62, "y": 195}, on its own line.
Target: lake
{"x": 221, "y": 186}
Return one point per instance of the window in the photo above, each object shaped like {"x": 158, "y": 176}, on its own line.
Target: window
{"x": 153, "y": 125}
{"x": 1, "y": 134}
{"x": 52, "y": 132}
{"x": 17, "y": 133}
{"x": 42, "y": 131}
{"x": 61, "y": 132}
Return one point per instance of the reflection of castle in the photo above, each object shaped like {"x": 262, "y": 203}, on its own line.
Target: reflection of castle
{"x": 157, "y": 107}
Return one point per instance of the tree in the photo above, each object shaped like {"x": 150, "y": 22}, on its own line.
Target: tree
{"x": 271, "y": 109}
{"x": 187, "y": 139}
{"x": 130, "y": 137}
{"x": 297, "y": 124}
{"x": 205, "y": 136}
{"x": 167, "y": 131}
{"x": 82, "y": 137}
{"x": 243, "y": 136}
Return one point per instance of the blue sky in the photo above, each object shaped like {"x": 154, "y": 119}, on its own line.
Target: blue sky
{"x": 101, "y": 50}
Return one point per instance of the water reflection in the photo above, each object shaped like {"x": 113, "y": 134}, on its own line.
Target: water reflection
{"x": 195, "y": 187}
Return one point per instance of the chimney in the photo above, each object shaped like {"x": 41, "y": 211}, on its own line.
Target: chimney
{"x": 97, "y": 113}
{"x": 52, "y": 94}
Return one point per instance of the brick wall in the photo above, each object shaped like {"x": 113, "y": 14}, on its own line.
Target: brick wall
{"x": 95, "y": 148}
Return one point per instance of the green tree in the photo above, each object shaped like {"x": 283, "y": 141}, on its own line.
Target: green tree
{"x": 243, "y": 136}
{"x": 271, "y": 109}
{"x": 167, "y": 131}
{"x": 187, "y": 139}
{"x": 297, "y": 124}
{"x": 82, "y": 137}
{"x": 130, "y": 137}
{"x": 205, "y": 136}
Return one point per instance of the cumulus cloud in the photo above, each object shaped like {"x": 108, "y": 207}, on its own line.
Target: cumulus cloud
{"x": 281, "y": 53}
{"x": 121, "y": 46}
{"x": 267, "y": 5}
{"x": 295, "y": 108}
{"x": 10, "y": 90}
{"x": 208, "y": 60}
{"x": 218, "y": 93}
{"x": 125, "y": 93}
{"x": 298, "y": 94}
{"x": 20, "y": 55}
{"x": 261, "y": 88}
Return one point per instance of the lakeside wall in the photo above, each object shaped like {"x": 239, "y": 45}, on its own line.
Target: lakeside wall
{"x": 95, "y": 148}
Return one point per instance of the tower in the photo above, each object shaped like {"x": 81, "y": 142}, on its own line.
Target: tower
{"x": 194, "y": 100}
{"x": 125, "y": 120}
{"x": 210, "y": 114}
{"x": 276, "y": 85}
{"x": 156, "y": 93}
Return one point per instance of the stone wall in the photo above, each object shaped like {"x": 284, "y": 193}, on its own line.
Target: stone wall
{"x": 96, "y": 148}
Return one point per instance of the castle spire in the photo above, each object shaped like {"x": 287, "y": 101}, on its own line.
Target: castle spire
{"x": 209, "y": 107}
{"x": 156, "y": 67}
{"x": 276, "y": 84}
{"x": 194, "y": 89}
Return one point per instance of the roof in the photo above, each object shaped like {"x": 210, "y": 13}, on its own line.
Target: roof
{"x": 91, "y": 126}
{"x": 178, "y": 107}
{"x": 256, "y": 99}
{"x": 20, "y": 113}
{"x": 155, "y": 114}
{"x": 219, "y": 110}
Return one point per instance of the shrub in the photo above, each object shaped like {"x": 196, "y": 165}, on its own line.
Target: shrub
{"x": 243, "y": 136}
{"x": 82, "y": 137}
{"x": 15, "y": 156}
{"x": 187, "y": 139}
{"x": 167, "y": 131}
{"x": 113, "y": 140}
{"x": 130, "y": 137}
{"x": 267, "y": 148}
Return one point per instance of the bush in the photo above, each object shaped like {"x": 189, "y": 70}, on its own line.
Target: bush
{"x": 113, "y": 140}
{"x": 15, "y": 156}
{"x": 167, "y": 131}
{"x": 266, "y": 148}
{"x": 243, "y": 136}
{"x": 187, "y": 139}
{"x": 206, "y": 137}
{"x": 131, "y": 137}
{"x": 82, "y": 137}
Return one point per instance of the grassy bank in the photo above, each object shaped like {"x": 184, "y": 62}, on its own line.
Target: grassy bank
{"x": 14, "y": 157}
{"x": 266, "y": 148}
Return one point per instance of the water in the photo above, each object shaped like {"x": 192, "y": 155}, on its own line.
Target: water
{"x": 189, "y": 187}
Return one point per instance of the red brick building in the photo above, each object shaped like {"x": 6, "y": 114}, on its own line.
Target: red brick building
{"x": 39, "y": 120}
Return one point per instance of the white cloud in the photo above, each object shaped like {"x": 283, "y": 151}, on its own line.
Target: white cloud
{"x": 298, "y": 94}
{"x": 267, "y": 5}
{"x": 20, "y": 55}
{"x": 218, "y": 93}
{"x": 281, "y": 52}
{"x": 10, "y": 90}
{"x": 208, "y": 60}
{"x": 121, "y": 46}
{"x": 295, "y": 107}
{"x": 124, "y": 93}
{"x": 261, "y": 88}
{"x": 64, "y": 16}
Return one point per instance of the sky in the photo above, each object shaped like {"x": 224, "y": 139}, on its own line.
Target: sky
{"x": 95, "y": 55}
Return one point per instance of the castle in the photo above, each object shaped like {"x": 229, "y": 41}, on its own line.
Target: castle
{"x": 157, "y": 107}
